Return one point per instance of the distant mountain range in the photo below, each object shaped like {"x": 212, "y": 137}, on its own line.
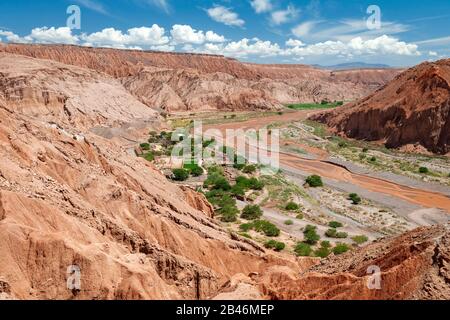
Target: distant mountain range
{"x": 354, "y": 65}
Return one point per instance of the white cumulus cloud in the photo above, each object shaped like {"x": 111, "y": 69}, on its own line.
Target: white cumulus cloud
{"x": 284, "y": 16}
{"x": 226, "y": 16}
{"x": 186, "y": 34}
{"x": 135, "y": 37}
{"x": 261, "y": 6}
{"x": 53, "y": 35}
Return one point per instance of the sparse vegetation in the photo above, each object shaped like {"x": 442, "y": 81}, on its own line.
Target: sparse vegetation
{"x": 340, "y": 248}
{"x": 360, "y": 239}
{"x": 289, "y": 222}
{"x": 324, "y": 250}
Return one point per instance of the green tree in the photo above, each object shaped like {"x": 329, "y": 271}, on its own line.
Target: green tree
{"x": 303, "y": 249}
{"x": 311, "y": 236}
{"x": 145, "y": 146}
{"x": 314, "y": 181}
{"x": 335, "y": 224}
{"x": 251, "y": 212}
{"x": 275, "y": 245}
{"x": 292, "y": 206}
{"x": 229, "y": 213}
{"x": 356, "y": 199}
{"x": 180, "y": 174}
{"x": 340, "y": 248}
{"x": 197, "y": 171}
{"x": 424, "y": 170}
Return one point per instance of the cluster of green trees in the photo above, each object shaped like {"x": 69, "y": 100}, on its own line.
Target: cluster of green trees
{"x": 311, "y": 238}
{"x": 262, "y": 226}
{"x": 333, "y": 233}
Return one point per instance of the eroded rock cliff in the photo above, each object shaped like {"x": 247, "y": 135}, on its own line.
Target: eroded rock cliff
{"x": 413, "y": 109}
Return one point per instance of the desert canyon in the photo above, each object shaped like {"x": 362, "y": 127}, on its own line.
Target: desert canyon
{"x": 73, "y": 191}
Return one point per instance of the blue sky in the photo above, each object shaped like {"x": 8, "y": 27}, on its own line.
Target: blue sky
{"x": 265, "y": 31}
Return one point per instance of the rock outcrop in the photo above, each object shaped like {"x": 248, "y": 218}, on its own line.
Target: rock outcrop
{"x": 413, "y": 109}
{"x": 192, "y": 82}
{"x": 412, "y": 266}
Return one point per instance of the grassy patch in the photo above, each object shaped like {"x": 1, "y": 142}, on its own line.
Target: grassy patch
{"x": 315, "y": 106}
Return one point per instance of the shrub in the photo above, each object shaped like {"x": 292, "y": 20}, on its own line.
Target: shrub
{"x": 360, "y": 239}
{"x": 145, "y": 146}
{"x": 255, "y": 184}
{"x": 266, "y": 227}
{"x": 251, "y": 212}
{"x": 217, "y": 182}
{"x": 299, "y": 216}
{"x": 149, "y": 156}
{"x": 275, "y": 245}
{"x": 355, "y": 198}
{"x": 180, "y": 174}
{"x": 246, "y": 227}
{"x": 342, "y": 144}
{"x": 229, "y": 213}
{"x": 362, "y": 156}
{"x": 340, "y": 248}
{"x": 292, "y": 206}
{"x": 373, "y": 159}
{"x": 365, "y": 150}
{"x": 322, "y": 252}
{"x": 216, "y": 169}
{"x": 303, "y": 249}
{"x": 314, "y": 181}
{"x": 333, "y": 233}
{"x": 424, "y": 170}
{"x": 335, "y": 224}
{"x": 237, "y": 191}
{"x": 325, "y": 244}
{"x": 289, "y": 222}
{"x": 194, "y": 169}
{"x": 249, "y": 169}
{"x": 239, "y": 162}
{"x": 220, "y": 198}
{"x": 311, "y": 236}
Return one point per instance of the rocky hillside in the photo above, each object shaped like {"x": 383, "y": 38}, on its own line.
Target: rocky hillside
{"x": 413, "y": 109}
{"x": 412, "y": 266}
{"x": 191, "y": 82}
